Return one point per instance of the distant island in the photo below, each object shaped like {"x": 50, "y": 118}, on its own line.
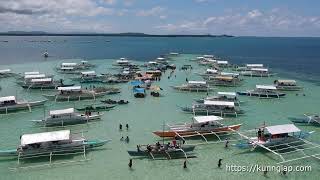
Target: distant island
{"x": 129, "y": 34}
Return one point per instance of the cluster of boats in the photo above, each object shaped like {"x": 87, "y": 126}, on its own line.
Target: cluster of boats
{"x": 208, "y": 117}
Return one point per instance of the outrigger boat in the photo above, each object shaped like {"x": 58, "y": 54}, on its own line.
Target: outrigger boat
{"x": 220, "y": 108}
{"x": 54, "y": 143}
{"x": 308, "y": 119}
{"x": 74, "y": 68}
{"x": 227, "y": 81}
{"x": 263, "y": 91}
{"x": 257, "y": 72}
{"x": 287, "y": 85}
{"x": 281, "y": 140}
{"x": 222, "y": 96}
{"x": 68, "y": 116}
{"x": 200, "y": 126}
{"x": 169, "y": 151}
{"x": 123, "y": 62}
{"x": 194, "y": 86}
{"x": 223, "y": 64}
{"x": 90, "y": 77}
{"x": 248, "y": 67}
{"x": 9, "y": 103}
{"x": 209, "y": 72}
{"x": 43, "y": 83}
{"x": 6, "y": 73}
{"x": 96, "y": 108}
{"x": 75, "y": 93}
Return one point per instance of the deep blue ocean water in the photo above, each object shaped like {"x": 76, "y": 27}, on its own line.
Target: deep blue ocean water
{"x": 296, "y": 56}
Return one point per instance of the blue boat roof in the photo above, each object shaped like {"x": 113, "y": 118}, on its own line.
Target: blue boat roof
{"x": 138, "y": 90}
{"x": 136, "y": 83}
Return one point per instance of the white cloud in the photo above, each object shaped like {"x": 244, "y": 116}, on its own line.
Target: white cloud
{"x": 54, "y": 15}
{"x": 151, "y": 12}
{"x": 253, "y": 22}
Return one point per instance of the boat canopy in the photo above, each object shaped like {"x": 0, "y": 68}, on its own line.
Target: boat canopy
{"x": 208, "y": 56}
{"x": 197, "y": 82}
{"x": 136, "y": 83}
{"x": 260, "y": 69}
{"x": 152, "y": 62}
{"x": 5, "y": 70}
{"x": 231, "y": 94}
{"x": 211, "y": 60}
{"x": 45, "y": 137}
{"x": 69, "y": 64}
{"x": 282, "y": 129}
{"x": 122, "y": 60}
{"x": 32, "y": 73}
{"x": 212, "y": 70}
{"x": 153, "y": 72}
{"x": 204, "y": 119}
{"x": 269, "y": 87}
{"x": 224, "y": 77}
{"x": 61, "y": 111}
{"x": 67, "y": 68}
{"x": 34, "y": 76}
{"x": 70, "y": 88}
{"x": 7, "y": 98}
{"x": 200, "y": 57}
{"x": 139, "y": 90}
{"x": 222, "y": 62}
{"x": 88, "y": 73}
{"x": 83, "y": 61}
{"x": 125, "y": 72}
{"x": 286, "y": 81}
{"x": 219, "y": 103}
{"x": 160, "y": 58}
{"x": 229, "y": 74}
{"x": 42, "y": 80}
{"x": 254, "y": 65}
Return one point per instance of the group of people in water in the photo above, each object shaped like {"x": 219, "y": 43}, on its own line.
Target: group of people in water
{"x": 122, "y": 138}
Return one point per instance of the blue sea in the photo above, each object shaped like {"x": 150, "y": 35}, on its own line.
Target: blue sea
{"x": 292, "y": 55}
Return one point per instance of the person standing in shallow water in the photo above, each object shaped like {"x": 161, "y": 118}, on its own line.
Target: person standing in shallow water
{"x": 219, "y": 163}
{"x": 120, "y": 127}
{"x": 185, "y": 164}
{"x": 127, "y": 126}
{"x": 130, "y": 163}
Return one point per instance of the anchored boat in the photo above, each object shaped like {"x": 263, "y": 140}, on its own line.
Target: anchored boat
{"x": 194, "y": 86}
{"x": 68, "y": 116}
{"x": 9, "y": 103}
{"x": 43, "y": 83}
{"x": 96, "y": 108}
{"x": 227, "y": 81}
{"x": 222, "y": 96}
{"x": 257, "y": 72}
{"x": 75, "y": 93}
{"x": 200, "y": 126}
{"x": 169, "y": 151}
{"x": 6, "y": 73}
{"x": 263, "y": 91}
{"x": 311, "y": 119}
{"x": 287, "y": 85}
{"x": 220, "y": 108}
{"x": 54, "y": 143}
{"x": 248, "y": 67}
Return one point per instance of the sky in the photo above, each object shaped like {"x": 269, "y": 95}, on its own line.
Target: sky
{"x": 233, "y": 17}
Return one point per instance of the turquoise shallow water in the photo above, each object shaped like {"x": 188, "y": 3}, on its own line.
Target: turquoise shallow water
{"x": 148, "y": 114}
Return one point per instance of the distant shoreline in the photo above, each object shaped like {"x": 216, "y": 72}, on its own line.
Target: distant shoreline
{"x": 106, "y": 34}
